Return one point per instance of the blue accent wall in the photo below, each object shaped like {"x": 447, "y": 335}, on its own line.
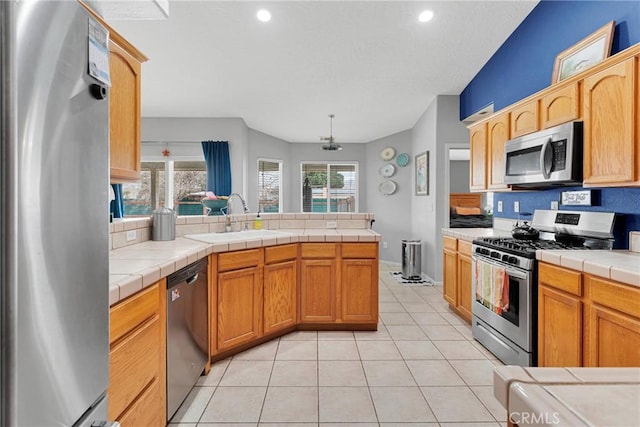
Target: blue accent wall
{"x": 523, "y": 65}
{"x": 624, "y": 201}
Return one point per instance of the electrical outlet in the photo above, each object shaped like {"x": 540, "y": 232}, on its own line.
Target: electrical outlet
{"x": 516, "y": 207}
{"x": 131, "y": 235}
{"x": 499, "y": 205}
{"x": 554, "y": 205}
{"x": 384, "y": 245}
{"x": 332, "y": 224}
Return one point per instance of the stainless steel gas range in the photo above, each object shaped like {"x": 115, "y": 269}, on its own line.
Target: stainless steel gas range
{"x": 504, "y": 279}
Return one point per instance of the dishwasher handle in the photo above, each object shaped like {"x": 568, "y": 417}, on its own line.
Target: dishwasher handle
{"x": 187, "y": 274}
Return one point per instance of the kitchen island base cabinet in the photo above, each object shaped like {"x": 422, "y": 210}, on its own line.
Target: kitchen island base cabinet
{"x": 280, "y": 290}
{"x": 318, "y": 291}
{"x": 359, "y": 298}
{"x": 137, "y": 359}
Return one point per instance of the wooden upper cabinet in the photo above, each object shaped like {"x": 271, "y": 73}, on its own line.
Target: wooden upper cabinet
{"x": 124, "y": 111}
{"x": 498, "y": 135}
{"x": 524, "y": 119}
{"x": 560, "y": 105}
{"x": 478, "y": 164}
{"x": 611, "y": 146}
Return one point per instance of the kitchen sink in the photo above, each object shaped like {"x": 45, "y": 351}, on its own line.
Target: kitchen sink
{"x": 235, "y": 236}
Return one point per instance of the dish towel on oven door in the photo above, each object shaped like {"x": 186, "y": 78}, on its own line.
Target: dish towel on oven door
{"x": 492, "y": 287}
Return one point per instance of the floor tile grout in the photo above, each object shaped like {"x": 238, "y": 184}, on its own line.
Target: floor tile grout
{"x": 429, "y": 307}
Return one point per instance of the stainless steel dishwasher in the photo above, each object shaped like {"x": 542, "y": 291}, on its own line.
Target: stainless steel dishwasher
{"x": 187, "y": 331}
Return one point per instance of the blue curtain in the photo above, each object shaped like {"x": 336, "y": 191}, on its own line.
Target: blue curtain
{"x": 117, "y": 205}
{"x": 216, "y": 156}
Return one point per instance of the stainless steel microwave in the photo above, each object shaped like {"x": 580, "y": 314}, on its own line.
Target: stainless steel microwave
{"x": 549, "y": 157}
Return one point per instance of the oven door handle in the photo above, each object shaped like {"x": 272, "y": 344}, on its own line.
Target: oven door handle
{"x": 514, "y": 273}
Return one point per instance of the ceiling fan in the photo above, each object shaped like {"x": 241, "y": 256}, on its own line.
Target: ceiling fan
{"x": 331, "y": 146}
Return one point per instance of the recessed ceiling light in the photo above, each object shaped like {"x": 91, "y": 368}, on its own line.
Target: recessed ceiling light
{"x": 425, "y": 16}
{"x": 264, "y": 15}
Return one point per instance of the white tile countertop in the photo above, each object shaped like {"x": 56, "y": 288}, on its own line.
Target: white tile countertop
{"x": 470, "y": 234}
{"x": 619, "y": 265}
{"x": 135, "y": 267}
{"x": 569, "y": 396}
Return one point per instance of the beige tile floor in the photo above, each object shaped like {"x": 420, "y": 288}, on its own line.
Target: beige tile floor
{"x": 421, "y": 368}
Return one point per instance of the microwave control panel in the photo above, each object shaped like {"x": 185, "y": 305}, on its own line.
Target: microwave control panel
{"x": 559, "y": 155}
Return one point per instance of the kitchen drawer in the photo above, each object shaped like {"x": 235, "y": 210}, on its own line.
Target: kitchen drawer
{"x": 359, "y": 250}
{"x": 238, "y": 259}
{"x": 318, "y": 250}
{"x": 560, "y": 278}
{"x": 450, "y": 243}
{"x": 614, "y": 295}
{"x": 132, "y": 312}
{"x": 146, "y": 410}
{"x": 273, "y": 254}
{"x": 134, "y": 363}
{"x": 464, "y": 247}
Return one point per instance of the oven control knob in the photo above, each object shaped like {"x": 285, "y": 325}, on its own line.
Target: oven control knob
{"x": 495, "y": 254}
{"x": 505, "y": 258}
{"x": 513, "y": 260}
{"x": 478, "y": 250}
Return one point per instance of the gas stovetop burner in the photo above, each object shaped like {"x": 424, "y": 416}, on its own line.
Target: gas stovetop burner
{"x": 525, "y": 248}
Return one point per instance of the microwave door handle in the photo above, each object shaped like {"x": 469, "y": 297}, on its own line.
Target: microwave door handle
{"x": 546, "y": 159}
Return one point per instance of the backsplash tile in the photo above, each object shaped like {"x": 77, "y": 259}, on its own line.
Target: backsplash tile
{"x": 216, "y": 224}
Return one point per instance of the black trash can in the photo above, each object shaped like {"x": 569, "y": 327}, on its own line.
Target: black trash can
{"x": 411, "y": 256}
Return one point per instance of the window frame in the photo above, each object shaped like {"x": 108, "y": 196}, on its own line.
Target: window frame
{"x": 280, "y": 180}
{"x": 328, "y": 165}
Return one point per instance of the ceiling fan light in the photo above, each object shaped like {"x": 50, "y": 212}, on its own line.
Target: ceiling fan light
{"x": 425, "y": 16}
{"x": 263, "y": 15}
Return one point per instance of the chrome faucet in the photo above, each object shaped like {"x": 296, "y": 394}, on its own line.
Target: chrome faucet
{"x": 230, "y": 210}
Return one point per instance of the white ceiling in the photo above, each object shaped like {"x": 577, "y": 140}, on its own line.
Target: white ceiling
{"x": 371, "y": 63}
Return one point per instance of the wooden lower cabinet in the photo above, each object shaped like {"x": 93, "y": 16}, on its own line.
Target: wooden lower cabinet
{"x": 560, "y": 328}
{"x": 449, "y": 269}
{"x": 464, "y": 297}
{"x": 585, "y": 320}
{"x": 359, "y": 297}
{"x": 137, "y": 359}
{"x": 318, "y": 290}
{"x": 280, "y": 306}
{"x": 457, "y": 275}
{"x": 613, "y": 339}
{"x": 239, "y": 311}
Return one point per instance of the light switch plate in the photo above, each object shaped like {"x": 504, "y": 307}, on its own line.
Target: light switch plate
{"x": 499, "y": 205}
{"x": 131, "y": 235}
{"x": 516, "y": 206}
{"x": 554, "y": 205}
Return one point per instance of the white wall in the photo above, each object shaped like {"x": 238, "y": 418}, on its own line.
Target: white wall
{"x": 263, "y": 146}
{"x": 351, "y": 153}
{"x": 392, "y": 212}
{"x": 459, "y": 176}
{"x": 439, "y": 125}
{"x": 234, "y": 130}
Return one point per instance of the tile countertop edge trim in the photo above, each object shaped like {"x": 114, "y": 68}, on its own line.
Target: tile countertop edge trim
{"x": 614, "y": 267}
{"x": 186, "y": 255}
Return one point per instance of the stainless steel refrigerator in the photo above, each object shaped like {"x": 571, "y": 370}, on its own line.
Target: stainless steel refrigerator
{"x": 54, "y": 176}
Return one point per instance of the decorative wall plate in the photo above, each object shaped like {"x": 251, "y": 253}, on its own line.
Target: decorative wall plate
{"x": 388, "y": 187}
{"x": 387, "y": 170}
{"x": 402, "y": 160}
{"x": 387, "y": 153}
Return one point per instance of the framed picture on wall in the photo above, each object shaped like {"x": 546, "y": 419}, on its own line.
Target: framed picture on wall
{"x": 422, "y": 174}
{"x": 586, "y": 53}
